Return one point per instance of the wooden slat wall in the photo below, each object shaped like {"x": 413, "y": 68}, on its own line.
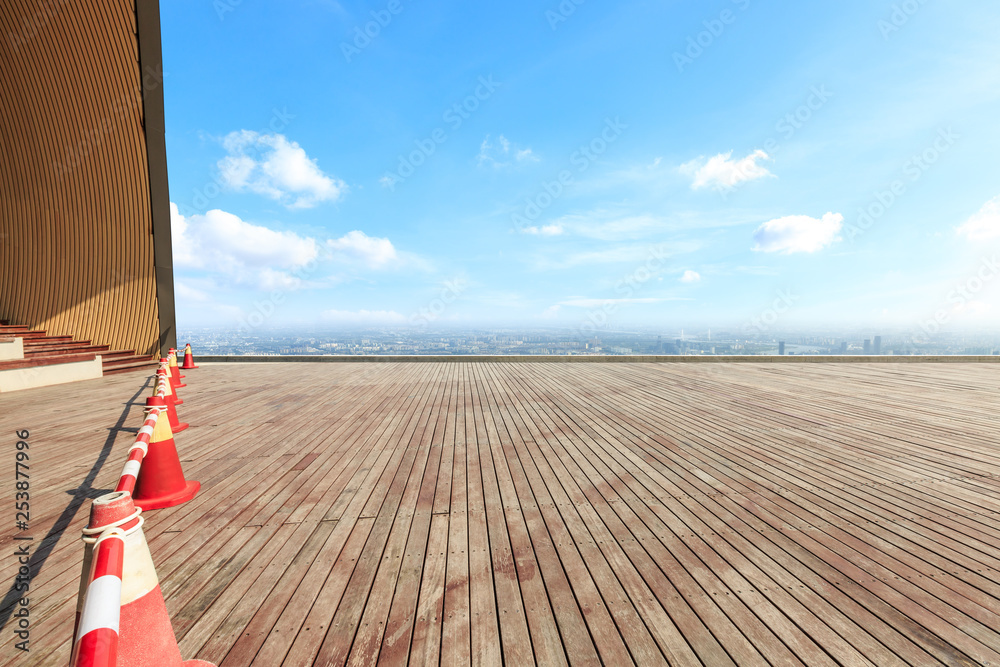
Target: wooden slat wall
{"x": 76, "y": 243}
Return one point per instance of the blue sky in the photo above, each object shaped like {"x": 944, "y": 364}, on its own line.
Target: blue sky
{"x": 544, "y": 164}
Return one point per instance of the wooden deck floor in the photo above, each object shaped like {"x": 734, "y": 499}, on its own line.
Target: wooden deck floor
{"x": 463, "y": 513}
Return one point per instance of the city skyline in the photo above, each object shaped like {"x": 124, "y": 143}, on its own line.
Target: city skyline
{"x": 531, "y": 166}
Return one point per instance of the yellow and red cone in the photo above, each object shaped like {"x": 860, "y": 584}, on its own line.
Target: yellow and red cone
{"x": 175, "y": 373}
{"x": 161, "y": 480}
{"x": 188, "y": 362}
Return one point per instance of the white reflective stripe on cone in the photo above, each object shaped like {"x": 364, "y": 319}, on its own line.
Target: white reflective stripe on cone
{"x": 138, "y": 574}
{"x": 131, "y": 468}
{"x": 103, "y": 604}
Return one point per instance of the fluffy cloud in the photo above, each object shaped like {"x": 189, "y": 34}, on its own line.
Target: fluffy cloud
{"x": 690, "y": 276}
{"x": 722, "y": 172}
{"x": 501, "y": 152}
{"x": 798, "y": 233}
{"x": 545, "y": 230}
{"x": 985, "y": 224}
{"x": 271, "y": 165}
{"x": 221, "y": 242}
{"x": 244, "y": 253}
{"x": 373, "y": 252}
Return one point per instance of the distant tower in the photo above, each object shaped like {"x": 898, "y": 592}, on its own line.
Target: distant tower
{"x": 878, "y": 345}
{"x": 781, "y": 348}
{"x": 868, "y": 346}
{"x": 843, "y": 347}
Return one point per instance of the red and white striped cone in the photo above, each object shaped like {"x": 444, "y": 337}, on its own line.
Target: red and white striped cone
{"x": 96, "y": 641}
{"x": 168, "y": 390}
{"x": 137, "y": 452}
{"x": 145, "y": 636}
{"x": 188, "y": 362}
{"x": 161, "y": 480}
{"x": 176, "y": 425}
{"x": 175, "y": 372}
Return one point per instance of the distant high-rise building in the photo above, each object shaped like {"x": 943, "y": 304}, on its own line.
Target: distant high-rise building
{"x": 843, "y": 347}
{"x": 781, "y": 347}
{"x": 878, "y": 345}
{"x": 868, "y": 346}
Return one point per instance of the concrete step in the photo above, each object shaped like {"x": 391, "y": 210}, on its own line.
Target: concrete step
{"x": 128, "y": 364}
{"x": 21, "y": 374}
{"x": 66, "y": 349}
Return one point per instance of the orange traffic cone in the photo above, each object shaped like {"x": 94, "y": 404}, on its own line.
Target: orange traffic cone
{"x": 172, "y": 396}
{"x": 176, "y": 425}
{"x": 161, "y": 480}
{"x": 188, "y": 358}
{"x": 175, "y": 373}
{"x": 146, "y": 638}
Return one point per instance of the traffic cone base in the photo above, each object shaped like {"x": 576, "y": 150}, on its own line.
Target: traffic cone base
{"x": 160, "y": 502}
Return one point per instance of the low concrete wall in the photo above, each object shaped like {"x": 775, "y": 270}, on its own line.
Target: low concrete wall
{"x": 624, "y": 359}
{"x": 43, "y": 376}
{"x": 11, "y": 349}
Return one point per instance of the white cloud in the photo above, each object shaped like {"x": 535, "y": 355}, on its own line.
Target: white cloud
{"x": 221, "y": 242}
{"x": 545, "y": 230}
{"x": 797, "y": 233}
{"x": 722, "y": 172}
{"x": 373, "y": 252}
{"x": 271, "y": 165}
{"x": 985, "y": 224}
{"x": 364, "y": 317}
{"x": 501, "y": 152}
{"x": 690, "y": 276}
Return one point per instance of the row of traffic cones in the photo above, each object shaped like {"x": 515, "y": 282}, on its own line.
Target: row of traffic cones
{"x": 144, "y": 635}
